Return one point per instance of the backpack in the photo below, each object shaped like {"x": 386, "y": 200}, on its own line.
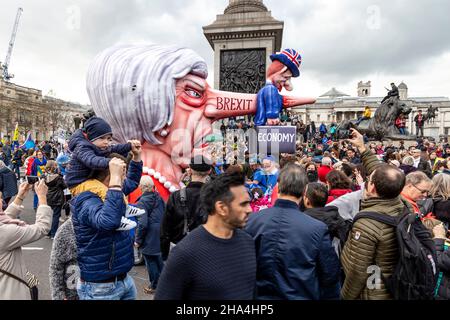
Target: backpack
{"x": 415, "y": 274}
{"x": 191, "y": 221}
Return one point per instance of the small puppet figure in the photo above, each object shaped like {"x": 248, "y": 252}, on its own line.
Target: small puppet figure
{"x": 270, "y": 102}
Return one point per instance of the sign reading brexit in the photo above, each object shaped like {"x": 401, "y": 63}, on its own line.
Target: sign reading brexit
{"x": 233, "y": 104}
{"x": 276, "y": 140}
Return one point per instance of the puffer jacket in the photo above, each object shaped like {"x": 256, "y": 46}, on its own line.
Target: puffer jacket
{"x": 443, "y": 259}
{"x": 87, "y": 157}
{"x": 103, "y": 252}
{"x": 371, "y": 243}
{"x": 8, "y": 183}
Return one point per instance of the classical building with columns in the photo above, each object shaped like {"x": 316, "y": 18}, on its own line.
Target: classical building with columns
{"x": 335, "y": 106}
{"x": 44, "y": 116}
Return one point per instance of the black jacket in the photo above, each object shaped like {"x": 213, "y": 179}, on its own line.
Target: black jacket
{"x": 338, "y": 227}
{"x": 8, "y": 183}
{"x": 441, "y": 209}
{"x": 17, "y": 157}
{"x": 443, "y": 258}
{"x": 173, "y": 222}
{"x": 149, "y": 227}
{"x": 55, "y": 194}
{"x": 425, "y": 167}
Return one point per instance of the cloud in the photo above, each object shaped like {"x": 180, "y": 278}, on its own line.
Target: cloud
{"x": 342, "y": 42}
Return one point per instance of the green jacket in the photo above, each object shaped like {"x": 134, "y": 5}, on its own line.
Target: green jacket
{"x": 370, "y": 243}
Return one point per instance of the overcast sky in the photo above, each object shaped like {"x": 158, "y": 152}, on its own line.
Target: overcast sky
{"x": 342, "y": 42}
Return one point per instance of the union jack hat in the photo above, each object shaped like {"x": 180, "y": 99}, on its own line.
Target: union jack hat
{"x": 290, "y": 58}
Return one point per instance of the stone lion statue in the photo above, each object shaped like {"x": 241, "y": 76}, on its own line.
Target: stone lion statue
{"x": 382, "y": 125}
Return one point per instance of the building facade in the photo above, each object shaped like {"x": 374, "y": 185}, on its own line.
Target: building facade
{"x": 44, "y": 116}
{"x": 335, "y": 106}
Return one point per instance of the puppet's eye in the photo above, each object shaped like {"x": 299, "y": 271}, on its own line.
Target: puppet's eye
{"x": 193, "y": 93}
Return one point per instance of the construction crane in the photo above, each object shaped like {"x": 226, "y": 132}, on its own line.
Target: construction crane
{"x": 6, "y": 75}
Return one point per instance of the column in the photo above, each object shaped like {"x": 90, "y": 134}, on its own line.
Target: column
{"x": 441, "y": 125}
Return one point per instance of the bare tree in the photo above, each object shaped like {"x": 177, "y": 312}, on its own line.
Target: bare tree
{"x": 56, "y": 119}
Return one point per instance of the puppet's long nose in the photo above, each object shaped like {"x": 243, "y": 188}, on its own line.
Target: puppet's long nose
{"x": 224, "y": 104}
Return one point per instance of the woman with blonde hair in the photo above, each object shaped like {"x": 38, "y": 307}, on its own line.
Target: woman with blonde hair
{"x": 440, "y": 193}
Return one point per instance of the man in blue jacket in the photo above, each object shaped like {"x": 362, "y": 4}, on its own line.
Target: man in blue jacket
{"x": 295, "y": 257}
{"x": 105, "y": 255}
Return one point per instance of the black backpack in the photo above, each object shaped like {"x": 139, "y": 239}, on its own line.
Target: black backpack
{"x": 415, "y": 274}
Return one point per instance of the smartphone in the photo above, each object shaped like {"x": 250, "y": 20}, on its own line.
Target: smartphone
{"x": 32, "y": 179}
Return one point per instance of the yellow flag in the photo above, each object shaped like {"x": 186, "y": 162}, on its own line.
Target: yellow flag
{"x": 16, "y": 133}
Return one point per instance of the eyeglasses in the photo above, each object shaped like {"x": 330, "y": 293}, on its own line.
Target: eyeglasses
{"x": 424, "y": 192}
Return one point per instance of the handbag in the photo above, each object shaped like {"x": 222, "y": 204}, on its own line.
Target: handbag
{"x": 32, "y": 283}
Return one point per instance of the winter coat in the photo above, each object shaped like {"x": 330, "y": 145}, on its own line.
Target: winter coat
{"x": 28, "y": 164}
{"x": 425, "y": 167}
{"x": 17, "y": 158}
{"x": 338, "y": 227}
{"x": 149, "y": 227}
{"x": 103, "y": 252}
{"x": 63, "y": 269}
{"x": 407, "y": 169}
{"x": 295, "y": 258}
{"x": 260, "y": 204}
{"x": 12, "y": 238}
{"x": 348, "y": 204}
{"x": 441, "y": 209}
{"x": 337, "y": 193}
{"x": 173, "y": 220}
{"x": 86, "y": 157}
{"x": 323, "y": 171}
{"x": 443, "y": 260}
{"x": 371, "y": 243}
{"x": 55, "y": 194}
{"x": 8, "y": 183}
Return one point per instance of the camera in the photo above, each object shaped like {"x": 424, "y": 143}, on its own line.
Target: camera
{"x": 34, "y": 179}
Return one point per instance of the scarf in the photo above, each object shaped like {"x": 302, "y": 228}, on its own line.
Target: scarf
{"x": 94, "y": 186}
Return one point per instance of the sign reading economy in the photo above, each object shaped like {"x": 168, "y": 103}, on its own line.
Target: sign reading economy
{"x": 276, "y": 140}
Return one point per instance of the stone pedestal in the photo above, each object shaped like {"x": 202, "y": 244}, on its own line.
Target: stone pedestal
{"x": 243, "y": 38}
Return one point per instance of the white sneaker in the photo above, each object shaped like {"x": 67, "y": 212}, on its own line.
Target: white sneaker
{"x": 126, "y": 224}
{"x": 133, "y": 212}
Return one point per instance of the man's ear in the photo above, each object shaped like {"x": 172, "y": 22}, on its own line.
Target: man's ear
{"x": 306, "y": 202}
{"x": 221, "y": 208}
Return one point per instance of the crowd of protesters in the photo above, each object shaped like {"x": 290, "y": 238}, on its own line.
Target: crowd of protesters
{"x": 314, "y": 225}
